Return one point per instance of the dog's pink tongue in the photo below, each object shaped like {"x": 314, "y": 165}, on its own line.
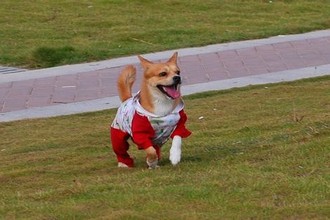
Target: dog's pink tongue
{"x": 171, "y": 91}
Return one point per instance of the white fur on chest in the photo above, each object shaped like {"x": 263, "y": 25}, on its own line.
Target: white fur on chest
{"x": 162, "y": 104}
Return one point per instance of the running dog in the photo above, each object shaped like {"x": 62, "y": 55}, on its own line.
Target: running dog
{"x": 153, "y": 115}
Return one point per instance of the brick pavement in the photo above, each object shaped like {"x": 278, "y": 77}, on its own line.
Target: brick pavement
{"x": 211, "y": 65}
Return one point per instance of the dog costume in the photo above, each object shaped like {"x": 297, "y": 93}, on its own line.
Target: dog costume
{"x": 145, "y": 129}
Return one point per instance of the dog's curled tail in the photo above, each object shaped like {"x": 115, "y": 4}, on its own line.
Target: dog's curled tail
{"x": 125, "y": 82}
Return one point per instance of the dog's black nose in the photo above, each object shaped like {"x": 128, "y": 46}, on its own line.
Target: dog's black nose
{"x": 177, "y": 80}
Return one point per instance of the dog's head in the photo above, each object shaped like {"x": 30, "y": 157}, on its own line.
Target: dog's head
{"x": 164, "y": 77}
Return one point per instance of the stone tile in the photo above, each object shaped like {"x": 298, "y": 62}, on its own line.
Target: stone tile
{"x": 324, "y": 51}
{"x": 88, "y": 82}
{"x": 326, "y": 57}
{"x": 313, "y": 60}
{"x": 66, "y": 80}
{"x": 295, "y": 64}
{"x": 265, "y": 48}
{"x": 61, "y": 99}
{"x": 3, "y": 92}
{"x": 6, "y": 85}
{"x": 191, "y": 69}
{"x": 112, "y": 73}
{"x": 39, "y": 101}
{"x": 247, "y": 52}
{"x": 193, "y": 74}
{"x": 213, "y": 69}
{"x": 2, "y": 102}
{"x": 276, "y": 66}
{"x": 253, "y": 62}
{"x": 42, "y": 91}
{"x": 319, "y": 42}
{"x": 270, "y": 57}
{"x": 234, "y": 63}
{"x": 282, "y": 45}
{"x": 108, "y": 91}
{"x": 87, "y": 94}
{"x": 228, "y": 55}
{"x": 106, "y": 82}
{"x": 218, "y": 75}
{"x": 24, "y": 83}
{"x": 92, "y": 74}
{"x": 234, "y": 72}
{"x": 211, "y": 64}
{"x": 303, "y": 52}
{"x": 64, "y": 95}
{"x": 257, "y": 70}
{"x": 209, "y": 58}
{"x": 188, "y": 59}
{"x": 14, "y": 104}
{"x": 19, "y": 91}
{"x": 301, "y": 44}
{"x": 139, "y": 70}
{"x": 290, "y": 55}
{"x": 45, "y": 82}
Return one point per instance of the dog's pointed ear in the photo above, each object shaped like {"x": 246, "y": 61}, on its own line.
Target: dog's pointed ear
{"x": 144, "y": 62}
{"x": 174, "y": 58}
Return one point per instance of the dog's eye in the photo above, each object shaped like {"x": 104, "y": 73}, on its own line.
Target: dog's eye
{"x": 162, "y": 74}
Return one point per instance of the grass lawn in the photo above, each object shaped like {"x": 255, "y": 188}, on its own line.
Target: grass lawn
{"x": 43, "y": 33}
{"x": 259, "y": 152}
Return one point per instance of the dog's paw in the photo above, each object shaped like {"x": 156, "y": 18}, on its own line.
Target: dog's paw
{"x": 152, "y": 164}
{"x": 122, "y": 165}
{"x": 152, "y": 168}
{"x": 175, "y": 152}
{"x": 175, "y": 156}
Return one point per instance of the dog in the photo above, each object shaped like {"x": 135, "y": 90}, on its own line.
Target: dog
{"x": 152, "y": 116}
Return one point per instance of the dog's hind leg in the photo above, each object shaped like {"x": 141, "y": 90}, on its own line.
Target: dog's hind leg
{"x": 120, "y": 146}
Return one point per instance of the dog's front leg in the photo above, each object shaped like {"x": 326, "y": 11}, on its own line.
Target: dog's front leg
{"x": 152, "y": 159}
{"x": 175, "y": 152}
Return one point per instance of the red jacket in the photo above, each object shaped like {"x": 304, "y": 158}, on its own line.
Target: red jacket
{"x": 147, "y": 129}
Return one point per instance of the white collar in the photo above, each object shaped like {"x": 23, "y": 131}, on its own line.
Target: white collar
{"x": 141, "y": 110}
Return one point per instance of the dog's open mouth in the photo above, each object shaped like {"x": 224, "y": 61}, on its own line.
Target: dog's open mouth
{"x": 171, "y": 91}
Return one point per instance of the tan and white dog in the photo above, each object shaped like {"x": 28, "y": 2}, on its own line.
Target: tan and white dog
{"x": 153, "y": 115}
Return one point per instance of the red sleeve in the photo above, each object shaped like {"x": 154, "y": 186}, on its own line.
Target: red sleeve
{"x": 181, "y": 129}
{"x": 142, "y": 131}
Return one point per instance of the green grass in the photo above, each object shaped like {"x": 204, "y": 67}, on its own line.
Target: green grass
{"x": 97, "y": 30}
{"x": 259, "y": 152}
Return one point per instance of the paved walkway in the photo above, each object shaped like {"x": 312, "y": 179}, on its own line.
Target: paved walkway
{"x": 92, "y": 86}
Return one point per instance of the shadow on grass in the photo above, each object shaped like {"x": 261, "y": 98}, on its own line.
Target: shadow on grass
{"x": 48, "y": 56}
